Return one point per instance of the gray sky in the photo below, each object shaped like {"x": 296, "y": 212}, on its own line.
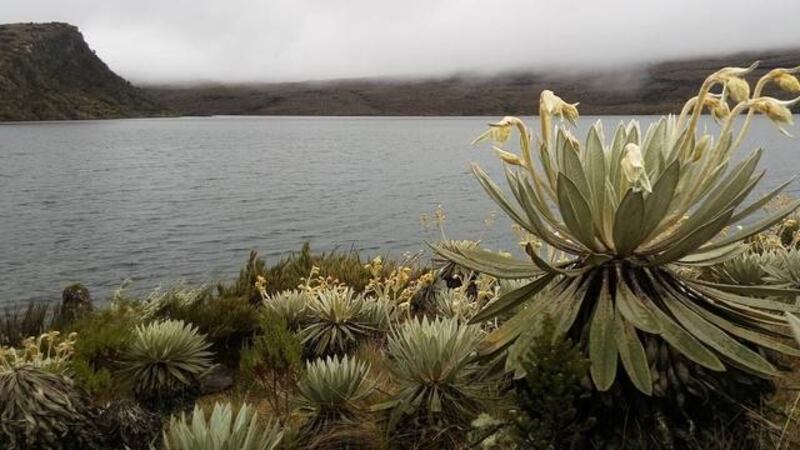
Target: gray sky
{"x": 278, "y": 40}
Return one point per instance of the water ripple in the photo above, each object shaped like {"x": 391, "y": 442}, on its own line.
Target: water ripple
{"x": 154, "y": 200}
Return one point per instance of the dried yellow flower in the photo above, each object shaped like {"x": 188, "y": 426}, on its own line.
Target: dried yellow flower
{"x": 552, "y": 104}
{"x": 776, "y": 110}
{"x": 633, "y": 168}
{"x": 498, "y": 132}
{"x": 508, "y": 157}
{"x": 788, "y": 82}
{"x": 739, "y": 88}
{"x": 719, "y": 108}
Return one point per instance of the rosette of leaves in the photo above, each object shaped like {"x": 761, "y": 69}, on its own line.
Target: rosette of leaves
{"x": 454, "y": 303}
{"x": 41, "y": 409}
{"x": 165, "y": 358}
{"x": 224, "y": 430}
{"x": 432, "y": 363}
{"x": 784, "y": 267}
{"x": 336, "y": 321}
{"x": 291, "y": 305}
{"x": 333, "y": 390}
{"x": 747, "y": 269}
{"x": 380, "y": 313}
{"x": 618, "y": 218}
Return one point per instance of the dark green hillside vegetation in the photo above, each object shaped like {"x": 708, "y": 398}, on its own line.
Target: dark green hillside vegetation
{"x": 48, "y": 72}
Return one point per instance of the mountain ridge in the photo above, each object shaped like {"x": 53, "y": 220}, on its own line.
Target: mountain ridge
{"x": 657, "y": 88}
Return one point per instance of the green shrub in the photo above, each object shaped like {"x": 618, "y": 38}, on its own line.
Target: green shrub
{"x": 103, "y": 338}
{"x": 245, "y": 285}
{"x": 227, "y": 323}
{"x": 102, "y": 383}
{"x": 290, "y": 272}
{"x": 165, "y": 358}
{"x": 43, "y": 410}
{"x": 274, "y": 361}
{"x": 546, "y": 415}
{"x": 222, "y": 431}
{"x": 333, "y": 391}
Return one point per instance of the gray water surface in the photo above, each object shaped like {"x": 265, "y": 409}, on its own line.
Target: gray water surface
{"x": 187, "y": 198}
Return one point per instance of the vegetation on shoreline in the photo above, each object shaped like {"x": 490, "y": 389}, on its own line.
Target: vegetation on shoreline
{"x": 642, "y": 318}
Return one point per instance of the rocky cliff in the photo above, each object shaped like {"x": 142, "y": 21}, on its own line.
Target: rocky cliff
{"x": 48, "y": 72}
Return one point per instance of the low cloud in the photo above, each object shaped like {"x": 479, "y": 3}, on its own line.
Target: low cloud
{"x": 159, "y": 41}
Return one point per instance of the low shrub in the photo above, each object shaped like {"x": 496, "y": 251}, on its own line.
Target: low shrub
{"x": 245, "y": 285}
{"x": 227, "y": 323}
{"x": 103, "y": 338}
{"x": 289, "y": 273}
{"x": 224, "y": 430}
{"x": 546, "y": 416}
{"x": 274, "y": 361}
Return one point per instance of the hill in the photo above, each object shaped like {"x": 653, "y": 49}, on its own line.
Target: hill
{"x": 653, "y": 89}
{"x": 48, "y": 72}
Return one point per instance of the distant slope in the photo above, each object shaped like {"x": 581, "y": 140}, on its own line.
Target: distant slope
{"x": 48, "y": 72}
{"x": 654, "y": 89}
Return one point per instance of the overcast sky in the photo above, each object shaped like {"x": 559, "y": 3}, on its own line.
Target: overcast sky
{"x": 276, "y": 40}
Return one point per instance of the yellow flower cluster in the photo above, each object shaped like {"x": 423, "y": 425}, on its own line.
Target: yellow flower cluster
{"x": 389, "y": 287}
{"x": 487, "y": 289}
{"x": 48, "y": 351}
{"x": 261, "y": 286}
{"x": 415, "y": 286}
{"x": 315, "y": 282}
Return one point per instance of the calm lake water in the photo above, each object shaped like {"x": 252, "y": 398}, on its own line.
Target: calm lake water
{"x": 155, "y": 200}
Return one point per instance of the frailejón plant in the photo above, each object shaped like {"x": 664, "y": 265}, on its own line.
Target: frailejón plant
{"x": 615, "y": 219}
{"x": 224, "y": 430}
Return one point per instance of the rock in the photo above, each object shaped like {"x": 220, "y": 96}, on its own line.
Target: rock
{"x": 218, "y": 379}
{"x": 75, "y": 302}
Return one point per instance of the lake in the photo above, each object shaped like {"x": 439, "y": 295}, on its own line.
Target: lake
{"x": 155, "y": 200}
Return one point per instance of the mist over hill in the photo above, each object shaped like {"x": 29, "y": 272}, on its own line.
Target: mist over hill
{"x": 653, "y": 89}
{"x": 48, "y": 72}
